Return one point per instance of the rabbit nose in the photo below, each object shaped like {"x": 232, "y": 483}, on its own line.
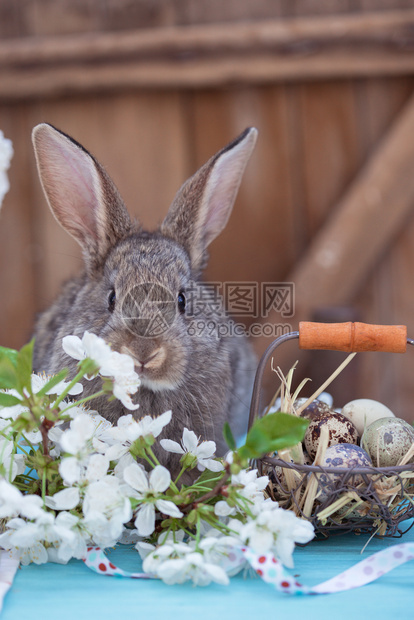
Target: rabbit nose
{"x": 153, "y": 361}
{"x": 145, "y": 360}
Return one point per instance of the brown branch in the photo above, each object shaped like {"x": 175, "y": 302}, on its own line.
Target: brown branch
{"x": 215, "y": 491}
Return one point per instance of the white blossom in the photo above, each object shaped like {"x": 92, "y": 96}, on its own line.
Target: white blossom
{"x": 11, "y": 413}
{"x": 192, "y": 567}
{"x": 203, "y": 453}
{"x": 6, "y": 153}
{"x": 95, "y": 440}
{"x": 63, "y": 500}
{"x": 106, "y": 507}
{"x": 153, "y": 556}
{"x": 128, "y": 430}
{"x": 39, "y": 381}
{"x": 147, "y": 489}
{"x": 223, "y": 551}
{"x": 75, "y": 440}
{"x": 75, "y": 545}
{"x": 74, "y": 471}
{"x": 273, "y": 530}
{"x": 14, "y": 503}
{"x": 14, "y": 464}
{"x": 30, "y": 539}
{"x": 124, "y": 386}
{"x": 252, "y": 487}
{"x": 78, "y": 473}
{"x": 118, "y": 366}
{"x": 164, "y": 541}
{"x": 89, "y": 346}
{"x": 80, "y": 441}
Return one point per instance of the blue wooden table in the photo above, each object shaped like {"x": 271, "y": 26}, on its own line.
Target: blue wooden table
{"x": 56, "y": 592}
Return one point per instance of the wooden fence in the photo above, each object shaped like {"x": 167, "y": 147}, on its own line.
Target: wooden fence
{"x": 154, "y": 88}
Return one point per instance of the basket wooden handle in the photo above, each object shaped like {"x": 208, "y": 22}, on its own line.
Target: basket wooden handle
{"x": 351, "y": 337}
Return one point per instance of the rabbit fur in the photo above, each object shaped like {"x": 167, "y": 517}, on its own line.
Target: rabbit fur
{"x": 205, "y": 379}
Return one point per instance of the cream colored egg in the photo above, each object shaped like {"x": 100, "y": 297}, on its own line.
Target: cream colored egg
{"x": 387, "y": 441}
{"x": 363, "y": 411}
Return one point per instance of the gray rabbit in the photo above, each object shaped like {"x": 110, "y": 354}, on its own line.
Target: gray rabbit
{"x": 136, "y": 287}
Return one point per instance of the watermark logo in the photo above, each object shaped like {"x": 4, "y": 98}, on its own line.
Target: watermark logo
{"x": 149, "y": 309}
{"x": 279, "y": 297}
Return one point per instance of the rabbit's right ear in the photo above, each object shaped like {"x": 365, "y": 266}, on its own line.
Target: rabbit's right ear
{"x": 202, "y": 206}
{"x": 80, "y": 194}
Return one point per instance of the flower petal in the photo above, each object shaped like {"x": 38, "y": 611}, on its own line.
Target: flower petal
{"x": 159, "y": 479}
{"x": 168, "y": 508}
{"x": 161, "y": 421}
{"x": 173, "y": 571}
{"x": 217, "y": 574}
{"x": 145, "y": 521}
{"x": 72, "y": 346}
{"x": 135, "y": 476}
{"x": 70, "y": 470}
{"x": 222, "y": 509}
{"x": 190, "y": 441}
{"x": 210, "y": 464}
{"x": 171, "y": 446}
{"x": 97, "y": 467}
{"x": 115, "y": 452}
{"x": 206, "y": 449}
{"x": 74, "y": 390}
{"x": 63, "y": 500}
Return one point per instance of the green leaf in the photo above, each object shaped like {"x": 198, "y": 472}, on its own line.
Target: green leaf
{"x": 53, "y": 381}
{"x": 7, "y": 400}
{"x": 274, "y": 431}
{"x": 8, "y": 375}
{"x": 228, "y": 436}
{"x": 25, "y": 366}
{"x": 11, "y": 354}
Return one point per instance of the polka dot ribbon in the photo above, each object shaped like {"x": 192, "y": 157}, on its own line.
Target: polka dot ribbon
{"x": 273, "y": 572}
{"x": 97, "y": 561}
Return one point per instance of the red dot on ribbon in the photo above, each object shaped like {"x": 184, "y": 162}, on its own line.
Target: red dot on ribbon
{"x": 262, "y": 559}
{"x": 102, "y": 567}
{"x": 285, "y": 584}
{"x": 259, "y": 572}
{"x": 112, "y": 566}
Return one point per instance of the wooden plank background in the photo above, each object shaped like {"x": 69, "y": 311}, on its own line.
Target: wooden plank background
{"x": 317, "y": 132}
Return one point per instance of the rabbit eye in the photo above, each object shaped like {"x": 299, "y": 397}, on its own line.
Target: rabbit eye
{"x": 181, "y": 301}
{"x": 111, "y": 301}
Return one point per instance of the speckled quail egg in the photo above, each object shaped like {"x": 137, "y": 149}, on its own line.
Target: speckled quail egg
{"x": 363, "y": 411}
{"x": 341, "y": 430}
{"x": 346, "y": 456}
{"x": 387, "y": 440}
{"x": 315, "y": 407}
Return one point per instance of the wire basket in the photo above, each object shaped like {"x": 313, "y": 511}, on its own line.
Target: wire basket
{"x": 373, "y": 500}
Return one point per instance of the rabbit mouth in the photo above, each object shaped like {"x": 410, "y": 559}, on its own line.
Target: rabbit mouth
{"x": 147, "y": 362}
{"x": 156, "y": 385}
{"x": 148, "y": 369}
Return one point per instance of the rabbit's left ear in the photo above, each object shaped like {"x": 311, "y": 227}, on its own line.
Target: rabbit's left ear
{"x": 80, "y": 194}
{"x": 202, "y": 206}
